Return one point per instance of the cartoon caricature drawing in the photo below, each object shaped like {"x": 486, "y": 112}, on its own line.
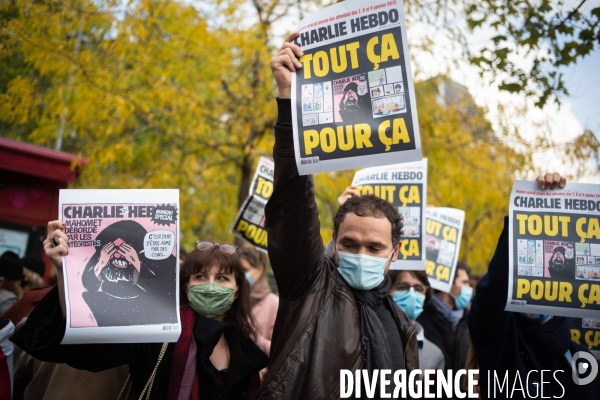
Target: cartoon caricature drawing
{"x": 119, "y": 276}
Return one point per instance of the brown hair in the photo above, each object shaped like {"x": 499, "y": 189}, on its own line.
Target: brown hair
{"x": 13, "y": 286}
{"x": 34, "y": 280}
{"x": 464, "y": 266}
{"x": 239, "y": 315}
{"x": 370, "y": 206}
{"x": 252, "y": 256}
{"x": 420, "y": 275}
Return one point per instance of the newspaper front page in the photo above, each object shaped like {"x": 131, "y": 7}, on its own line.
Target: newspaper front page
{"x": 122, "y": 269}
{"x": 555, "y": 250}
{"x": 353, "y": 101}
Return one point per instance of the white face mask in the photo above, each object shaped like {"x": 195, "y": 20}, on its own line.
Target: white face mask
{"x": 361, "y": 271}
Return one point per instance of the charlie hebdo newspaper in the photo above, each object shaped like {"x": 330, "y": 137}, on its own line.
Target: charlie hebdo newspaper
{"x": 122, "y": 269}
{"x": 353, "y": 101}
{"x": 405, "y": 186}
{"x": 442, "y": 245}
{"x": 249, "y": 224}
{"x": 586, "y": 332}
{"x": 555, "y": 250}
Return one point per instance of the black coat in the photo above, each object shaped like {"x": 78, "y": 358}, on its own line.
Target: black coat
{"x": 507, "y": 343}
{"x": 454, "y": 343}
{"x": 44, "y": 329}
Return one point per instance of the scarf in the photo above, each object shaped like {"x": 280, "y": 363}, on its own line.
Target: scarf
{"x": 452, "y": 316}
{"x": 183, "y": 382}
{"x": 375, "y": 347}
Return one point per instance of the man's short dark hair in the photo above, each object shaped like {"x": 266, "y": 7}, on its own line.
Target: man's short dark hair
{"x": 370, "y": 206}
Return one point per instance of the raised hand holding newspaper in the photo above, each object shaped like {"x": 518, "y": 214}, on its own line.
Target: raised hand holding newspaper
{"x": 121, "y": 273}
{"x": 405, "y": 186}
{"x": 554, "y": 250}
{"x": 353, "y": 100}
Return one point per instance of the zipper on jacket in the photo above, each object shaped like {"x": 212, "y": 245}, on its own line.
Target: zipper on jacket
{"x": 407, "y": 342}
{"x": 348, "y": 296}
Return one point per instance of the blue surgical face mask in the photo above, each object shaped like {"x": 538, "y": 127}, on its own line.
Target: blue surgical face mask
{"x": 539, "y": 319}
{"x": 361, "y": 271}
{"x": 464, "y": 298}
{"x": 410, "y": 302}
{"x": 249, "y": 278}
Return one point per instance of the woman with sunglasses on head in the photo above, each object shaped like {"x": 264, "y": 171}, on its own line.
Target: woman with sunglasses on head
{"x": 214, "y": 357}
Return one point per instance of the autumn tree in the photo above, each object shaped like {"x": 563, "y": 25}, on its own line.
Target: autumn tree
{"x": 523, "y": 44}
{"x": 156, "y": 94}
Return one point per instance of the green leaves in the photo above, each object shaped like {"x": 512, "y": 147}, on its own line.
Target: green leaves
{"x": 528, "y": 40}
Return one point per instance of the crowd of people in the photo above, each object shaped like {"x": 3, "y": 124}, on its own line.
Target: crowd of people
{"x": 336, "y": 308}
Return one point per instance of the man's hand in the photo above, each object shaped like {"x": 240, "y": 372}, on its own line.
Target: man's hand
{"x": 56, "y": 253}
{"x": 284, "y": 63}
{"x": 551, "y": 181}
{"x": 348, "y": 192}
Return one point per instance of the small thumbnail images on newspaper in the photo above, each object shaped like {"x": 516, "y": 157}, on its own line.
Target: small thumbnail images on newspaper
{"x": 540, "y": 258}
{"x": 363, "y": 96}
{"x": 439, "y": 250}
{"x": 412, "y": 221}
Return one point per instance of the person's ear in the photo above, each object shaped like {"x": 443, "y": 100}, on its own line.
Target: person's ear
{"x": 396, "y": 252}
{"x": 236, "y": 292}
{"x": 187, "y": 289}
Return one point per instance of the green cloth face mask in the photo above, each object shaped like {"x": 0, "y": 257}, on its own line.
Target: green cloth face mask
{"x": 210, "y": 299}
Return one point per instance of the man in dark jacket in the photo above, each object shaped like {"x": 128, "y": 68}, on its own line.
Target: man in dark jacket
{"x": 508, "y": 343}
{"x": 334, "y": 313}
{"x": 444, "y": 319}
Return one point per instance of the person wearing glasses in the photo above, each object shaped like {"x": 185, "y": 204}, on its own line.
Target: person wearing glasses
{"x": 411, "y": 292}
{"x": 214, "y": 357}
{"x": 334, "y": 312}
{"x": 263, "y": 301}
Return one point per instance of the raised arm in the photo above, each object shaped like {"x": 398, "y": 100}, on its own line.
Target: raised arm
{"x": 487, "y": 318}
{"x": 295, "y": 244}
{"x": 57, "y": 246}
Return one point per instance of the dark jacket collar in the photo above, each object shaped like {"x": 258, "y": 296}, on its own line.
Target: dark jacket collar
{"x": 246, "y": 357}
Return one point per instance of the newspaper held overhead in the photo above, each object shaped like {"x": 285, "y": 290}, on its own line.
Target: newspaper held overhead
{"x": 353, "y": 101}
{"x": 554, "y": 250}
{"x": 442, "y": 245}
{"x": 122, "y": 269}
{"x": 249, "y": 224}
{"x": 405, "y": 186}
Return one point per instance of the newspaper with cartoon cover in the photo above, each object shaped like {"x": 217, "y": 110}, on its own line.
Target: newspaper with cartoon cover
{"x": 405, "y": 186}
{"x": 122, "y": 269}
{"x": 443, "y": 232}
{"x": 586, "y": 332}
{"x": 249, "y": 224}
{"x": 353, "y": 101}
{"x": 555, "y": 250}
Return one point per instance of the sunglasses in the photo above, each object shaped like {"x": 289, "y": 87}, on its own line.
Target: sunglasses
{"x": 204, "y": 245}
